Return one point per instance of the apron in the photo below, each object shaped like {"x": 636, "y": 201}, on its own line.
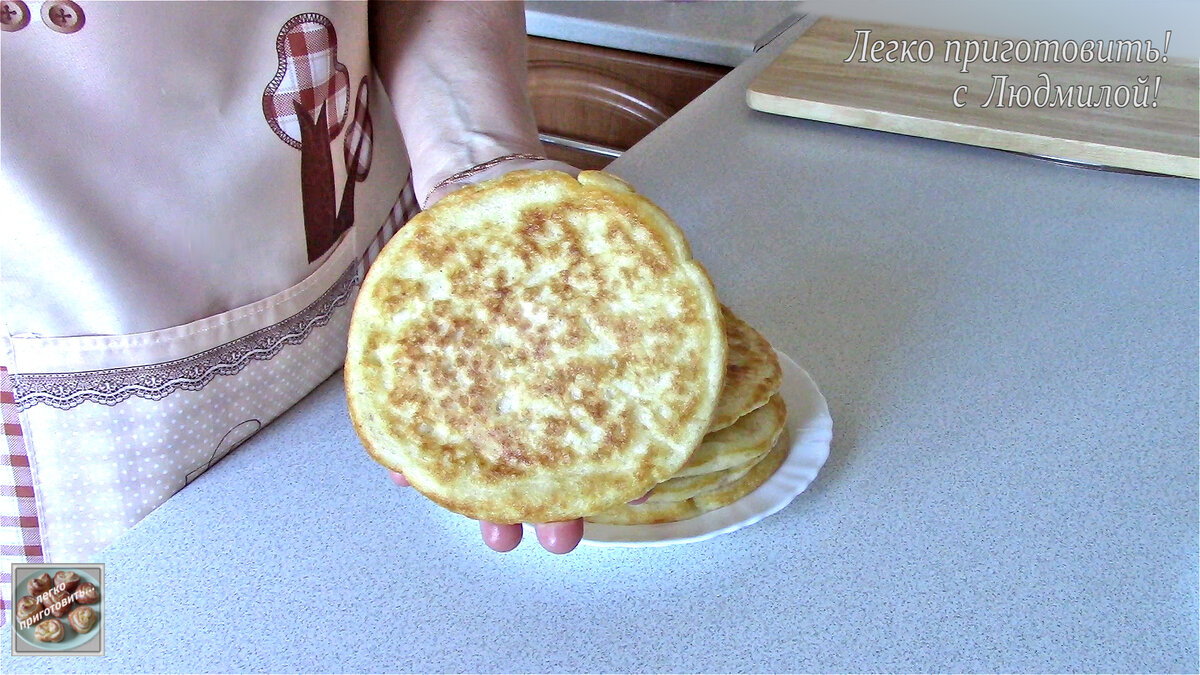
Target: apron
{"x": 193, "y": 192}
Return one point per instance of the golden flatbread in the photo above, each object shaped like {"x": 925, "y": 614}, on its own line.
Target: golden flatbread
{"x": 535, "y": 348}
{"x": 761, "y": 473}
{"x": 668, "y": 512}
{"x": 647, "y": 513}
{"x": 752, "y": 372}
{"x": 680, "y": 489}
{"x": 733, "y": 451}
{"x": 750, "y": 437}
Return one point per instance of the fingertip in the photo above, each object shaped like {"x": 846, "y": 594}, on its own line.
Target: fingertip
{"x": 560, "y": 537}
{"x": 500, "y": 538}
{"x": 399, "y": 479}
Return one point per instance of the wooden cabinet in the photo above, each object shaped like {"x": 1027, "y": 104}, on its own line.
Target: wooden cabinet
{"x": 592, "y": 103}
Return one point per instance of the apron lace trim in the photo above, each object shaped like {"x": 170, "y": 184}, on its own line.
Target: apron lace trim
{"x": 157, "y": 381}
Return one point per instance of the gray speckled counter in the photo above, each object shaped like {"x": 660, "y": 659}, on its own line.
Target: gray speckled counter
{"x": 1009, "y": 350}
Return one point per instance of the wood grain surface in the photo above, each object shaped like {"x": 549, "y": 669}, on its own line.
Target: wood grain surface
{"x": 915, "y": 94}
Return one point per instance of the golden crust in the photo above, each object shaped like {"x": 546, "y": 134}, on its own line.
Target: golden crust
{"x": 761, "y": 473}
{"x": 647, "y": 513}
{"x": 735, "y": 450}
{"x": 535, "y": 348}
{"x": 683, "y": 488}
{"x": 752, "y": 372}
{"x": 747, "y": 439}
{"x": 668, "y": 512}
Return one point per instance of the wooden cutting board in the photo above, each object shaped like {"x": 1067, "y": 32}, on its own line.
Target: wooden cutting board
{"x": 915, "y": 94}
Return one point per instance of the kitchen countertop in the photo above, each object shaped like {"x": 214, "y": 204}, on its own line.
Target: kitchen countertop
{"x": 723, "y": 33}
{"x": 1009, "y": 351}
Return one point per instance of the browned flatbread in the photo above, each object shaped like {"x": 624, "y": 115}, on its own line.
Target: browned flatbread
{"x": 535, "y": 348}
{"x": 647, "y": 513}
{"x": 761, "y": 473}
{"x": 752, "y": 372}
{"x": 744, "y": 441}
{"x": 668, "y": 512}
{"x": 681, "y": 488}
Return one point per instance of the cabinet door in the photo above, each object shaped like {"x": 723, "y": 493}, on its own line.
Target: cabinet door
{"x": 592, "y": 103}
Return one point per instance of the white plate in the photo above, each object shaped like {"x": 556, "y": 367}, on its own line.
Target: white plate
{"x": 810, "y": 428}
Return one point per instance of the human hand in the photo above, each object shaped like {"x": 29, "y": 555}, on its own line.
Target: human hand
{"x": 554, "y": 537}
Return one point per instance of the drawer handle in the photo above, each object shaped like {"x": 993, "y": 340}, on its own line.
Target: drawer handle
{"x": 565, "y": 142}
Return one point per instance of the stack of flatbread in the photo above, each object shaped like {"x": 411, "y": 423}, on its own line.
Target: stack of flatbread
{"x": 744, "y": 445}
{"x": 540, "y": 348}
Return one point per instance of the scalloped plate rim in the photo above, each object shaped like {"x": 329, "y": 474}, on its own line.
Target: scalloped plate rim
{"x": 810, "y": 429}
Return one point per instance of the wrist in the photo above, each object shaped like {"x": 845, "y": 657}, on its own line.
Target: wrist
{"x": 492, "y": 168}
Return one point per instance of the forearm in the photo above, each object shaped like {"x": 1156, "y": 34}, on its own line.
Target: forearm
{"x": 455, "y": 72}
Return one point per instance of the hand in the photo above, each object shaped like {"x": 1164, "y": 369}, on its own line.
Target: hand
{"x": 554, "y": 537}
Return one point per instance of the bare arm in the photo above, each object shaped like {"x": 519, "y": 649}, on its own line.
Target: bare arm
{"x": 455, "y": 72}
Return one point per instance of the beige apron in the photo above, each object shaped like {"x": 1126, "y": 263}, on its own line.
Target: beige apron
{"x": 192, "y": 192}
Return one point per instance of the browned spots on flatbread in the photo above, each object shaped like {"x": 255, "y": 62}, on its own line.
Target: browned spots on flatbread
{"x": 732, "y": 459}
{"x": 651, "y": 513}
{"x": 752, "y": 435}
{"x": 549, "y": 352}
{"x": 752, "y": 372}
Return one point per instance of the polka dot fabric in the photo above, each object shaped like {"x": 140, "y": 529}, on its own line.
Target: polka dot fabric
{"x": 100, "y": 467}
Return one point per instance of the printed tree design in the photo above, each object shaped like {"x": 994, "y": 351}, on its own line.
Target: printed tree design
{"x": 306, "y": 105}
{"x": 356, "y": 151}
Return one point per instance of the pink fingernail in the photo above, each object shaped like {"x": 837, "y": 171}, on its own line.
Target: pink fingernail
{"x": 500, "y": 538}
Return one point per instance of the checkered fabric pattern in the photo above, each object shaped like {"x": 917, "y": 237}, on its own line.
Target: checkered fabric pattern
{"x": 360, "y": 128}
{"x": 310, "y": 73}
{"x": 406, "y": 207}
{"x": 20, "y": 537}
